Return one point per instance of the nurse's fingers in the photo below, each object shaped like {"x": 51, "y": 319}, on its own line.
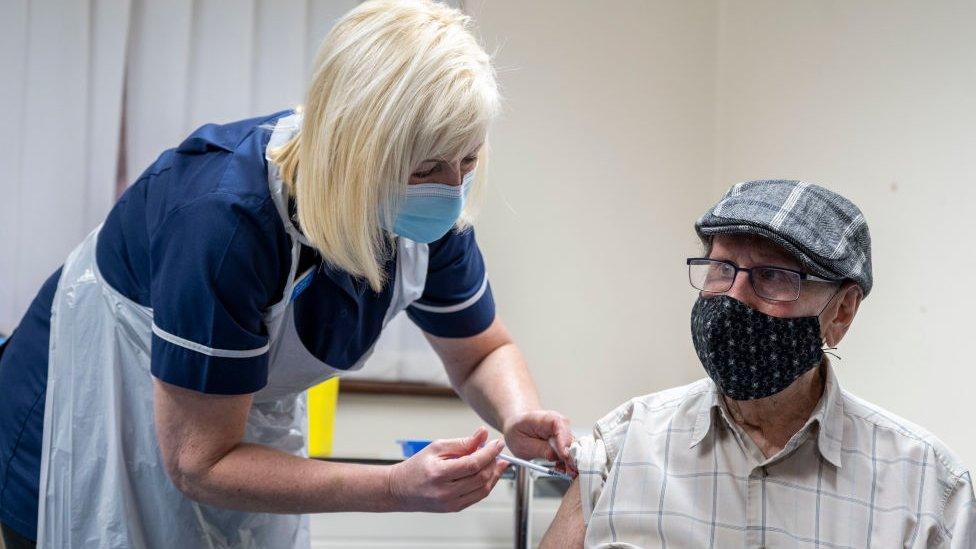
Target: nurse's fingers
{"x": 473, "y": 463}
{"x": 485, "y": 476}
{"x": 561, "y": 441}
{"x": 427, "y": 480}
{"x": 531, "y": 448}
{"x": 480, "y": 492}
{"x": 456, "y": 447}
{"x": 540, "y": 434}
{"x": 554, "y": 427}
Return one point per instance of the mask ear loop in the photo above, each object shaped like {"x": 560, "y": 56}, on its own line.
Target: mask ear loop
{"x": 827, "y": 350}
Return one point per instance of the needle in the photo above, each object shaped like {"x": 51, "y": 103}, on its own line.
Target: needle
{"x": 535, "y": 467}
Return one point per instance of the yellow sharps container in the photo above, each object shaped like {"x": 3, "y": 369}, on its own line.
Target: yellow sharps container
{"x": 322, "y": 402}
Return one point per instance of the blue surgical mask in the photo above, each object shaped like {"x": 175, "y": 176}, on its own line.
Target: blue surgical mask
{"x": 427, "y": 211}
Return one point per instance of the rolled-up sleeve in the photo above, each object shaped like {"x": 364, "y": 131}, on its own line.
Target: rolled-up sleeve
{"x": 595, "y": 455}
{"x": 590, "y": 455}
{"x": 960, "y": 514}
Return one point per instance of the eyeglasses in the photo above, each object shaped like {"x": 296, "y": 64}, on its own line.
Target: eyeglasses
{"x": 773, "y": 283}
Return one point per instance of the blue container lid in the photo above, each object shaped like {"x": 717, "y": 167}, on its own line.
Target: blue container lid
{"x": 412, "y": 446}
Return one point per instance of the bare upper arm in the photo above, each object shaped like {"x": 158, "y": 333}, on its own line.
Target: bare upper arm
{"x": 195, "y": 430}
{"x": 567, "y": 528}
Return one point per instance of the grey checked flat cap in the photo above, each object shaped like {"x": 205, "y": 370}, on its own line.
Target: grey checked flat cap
{"x": 826, "y": 232}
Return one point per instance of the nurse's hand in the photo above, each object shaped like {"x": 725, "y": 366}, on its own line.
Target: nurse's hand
{"x": 447, "y": 475}
{"x": 541, "y": 434}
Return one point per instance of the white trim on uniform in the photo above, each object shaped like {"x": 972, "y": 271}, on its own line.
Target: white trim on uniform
{"x": 456, "y": 307}
{"x": 209, "y": 351}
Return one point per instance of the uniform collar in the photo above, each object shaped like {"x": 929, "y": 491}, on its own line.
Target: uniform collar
{"x": 827, "y": 418}
{"x": 354, "y": 287}
{"x": 284, "y": 129}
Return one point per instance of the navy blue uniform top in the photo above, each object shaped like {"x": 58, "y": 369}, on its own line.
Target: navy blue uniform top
{"x": 198, "y": 239}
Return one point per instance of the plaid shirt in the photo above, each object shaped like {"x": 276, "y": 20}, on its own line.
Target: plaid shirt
{"x": 671, "y": 469}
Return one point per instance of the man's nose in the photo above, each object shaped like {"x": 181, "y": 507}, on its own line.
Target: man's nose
{"x": 742, "y": 290}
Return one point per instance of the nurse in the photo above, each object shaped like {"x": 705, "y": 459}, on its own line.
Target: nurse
{"x": 152, "y": 394}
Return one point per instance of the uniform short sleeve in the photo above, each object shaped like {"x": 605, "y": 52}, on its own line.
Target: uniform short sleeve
{"x": 457, "y": 299}
{"x": 595, "y": 455}
{"x": 214, "y": 271}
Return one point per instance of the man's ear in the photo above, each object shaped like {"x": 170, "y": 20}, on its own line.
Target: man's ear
{"x": 841, "y": 313}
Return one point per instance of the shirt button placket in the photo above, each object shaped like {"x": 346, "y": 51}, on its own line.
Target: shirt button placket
{"x": 754, "y": 509}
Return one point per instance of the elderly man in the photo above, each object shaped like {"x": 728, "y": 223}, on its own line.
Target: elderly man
{"x": 768, "y": 451}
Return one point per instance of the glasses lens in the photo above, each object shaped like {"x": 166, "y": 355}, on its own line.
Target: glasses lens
{"x": 710, "y": 276}
{"x": 776, "y": 284}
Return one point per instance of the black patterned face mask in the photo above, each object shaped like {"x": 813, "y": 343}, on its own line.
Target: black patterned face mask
{"x": 749, "y": 354}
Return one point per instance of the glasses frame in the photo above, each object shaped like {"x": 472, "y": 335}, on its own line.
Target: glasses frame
{"x": 803, "y": 276}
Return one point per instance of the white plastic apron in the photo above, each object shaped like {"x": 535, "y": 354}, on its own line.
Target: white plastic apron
{"x": 103, "y": 483}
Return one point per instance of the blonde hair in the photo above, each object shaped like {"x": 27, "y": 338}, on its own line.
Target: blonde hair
{"x": 396, "y": 82}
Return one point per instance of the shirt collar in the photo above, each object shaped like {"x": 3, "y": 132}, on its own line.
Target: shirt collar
{"x": 828, "y": 416}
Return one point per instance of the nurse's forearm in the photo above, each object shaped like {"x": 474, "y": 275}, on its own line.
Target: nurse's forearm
{"x": 500, "y": 386}
{"x": 490, "y": 374}
{"x": 200, "y": 441}
{"x": 446, "y": 476}
{"x": 258, "y": 478}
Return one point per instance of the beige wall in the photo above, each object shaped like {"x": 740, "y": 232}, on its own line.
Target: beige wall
{"x": 876, "y": 100}
{"x": 624, "y": 123}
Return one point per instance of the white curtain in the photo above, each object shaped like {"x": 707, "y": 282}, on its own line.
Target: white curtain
{"x": 194, "y": 62}
{"x": 61, "y": 70}
{"x": 79, "y": 78}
